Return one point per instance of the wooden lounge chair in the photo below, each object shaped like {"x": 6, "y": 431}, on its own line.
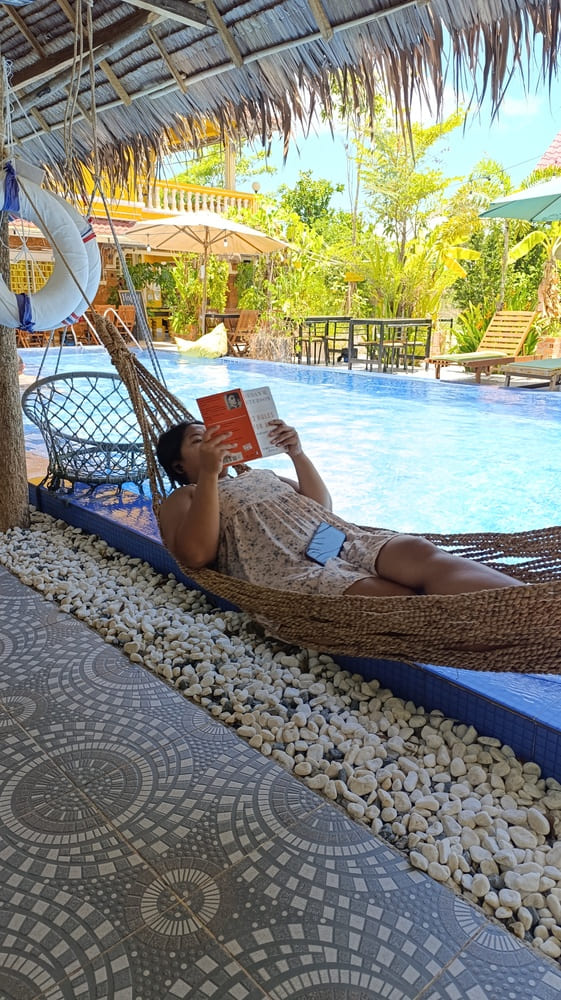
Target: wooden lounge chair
{"x": 501, "y": 343}
{"x": 548, "y": 369}
{"x": 238, "y": 341}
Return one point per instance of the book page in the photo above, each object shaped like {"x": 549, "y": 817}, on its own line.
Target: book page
{"x": 261, "y": 408}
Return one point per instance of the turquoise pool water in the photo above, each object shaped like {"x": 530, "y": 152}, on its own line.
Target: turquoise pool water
{"x": 406, "y": 453}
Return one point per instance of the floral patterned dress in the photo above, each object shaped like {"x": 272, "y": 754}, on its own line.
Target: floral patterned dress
{"x": 265, "y": 528}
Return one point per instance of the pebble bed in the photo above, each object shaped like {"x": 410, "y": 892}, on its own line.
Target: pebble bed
{"x": 462, "y": 806}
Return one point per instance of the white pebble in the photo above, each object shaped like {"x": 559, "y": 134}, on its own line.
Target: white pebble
{"x": 441, "y": 873}
{"x": 522, "y": 837}
{"x": 480, "y": 885}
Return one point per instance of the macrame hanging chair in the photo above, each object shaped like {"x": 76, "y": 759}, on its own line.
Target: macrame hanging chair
{"x": 512, "y": 629}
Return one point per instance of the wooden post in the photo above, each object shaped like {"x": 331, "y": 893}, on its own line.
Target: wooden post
{"x": 229, "y": 165}
{"x": 14, "y": 499}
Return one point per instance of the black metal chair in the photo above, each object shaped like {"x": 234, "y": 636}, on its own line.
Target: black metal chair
{"x": 90, "y": 429}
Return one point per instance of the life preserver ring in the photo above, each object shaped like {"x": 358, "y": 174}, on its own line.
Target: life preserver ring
{"x": 47, "y": 308}
{"x": 89, "y": 240}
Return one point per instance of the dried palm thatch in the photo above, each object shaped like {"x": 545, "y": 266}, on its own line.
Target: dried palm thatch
{"x": 163, "y": 68}
{"x": 512, "y": 629}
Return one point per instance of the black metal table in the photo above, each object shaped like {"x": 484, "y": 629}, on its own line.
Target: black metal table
{"x": 391, "y": 343}
{"x": 323, "y": 339}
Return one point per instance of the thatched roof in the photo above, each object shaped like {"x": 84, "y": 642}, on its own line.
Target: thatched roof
{"x": 164, "y": 67}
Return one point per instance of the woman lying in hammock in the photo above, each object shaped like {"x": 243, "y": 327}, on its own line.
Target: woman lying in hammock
{"x": 258, "y": 526}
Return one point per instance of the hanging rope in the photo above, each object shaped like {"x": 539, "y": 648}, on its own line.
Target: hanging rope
{"x": 155, "y": 407}
{"x": 136, "y": 298}
{"x": 74, "y": 87}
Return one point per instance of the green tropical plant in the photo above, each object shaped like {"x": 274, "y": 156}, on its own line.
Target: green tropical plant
{"x": 549, "y": 290}
{"x": 188, "y": 292}
{"x": 309, "y": 199}
{"x": 207, "y": 168}
{"x": 403, "y": 187}
{"x": 470, "y": 326}
{"x": 154, "y": 273}
{"x": 306, "y": 279}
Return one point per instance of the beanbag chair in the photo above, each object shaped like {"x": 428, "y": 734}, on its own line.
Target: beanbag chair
{"x": 211, "y": 345}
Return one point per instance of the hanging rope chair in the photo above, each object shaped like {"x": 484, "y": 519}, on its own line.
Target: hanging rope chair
{"x": 512, "y": 629}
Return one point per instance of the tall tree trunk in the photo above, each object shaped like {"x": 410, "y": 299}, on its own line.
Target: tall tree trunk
{"x": 504, "y": 265}
{"x": 14, "y": 501}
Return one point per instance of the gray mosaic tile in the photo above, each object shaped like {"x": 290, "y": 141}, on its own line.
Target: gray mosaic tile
{"x": 330, "y": 907}
{"x": 184, "y": 797}
{"x": 23, "y": 706}
{"x": 15, "y": 595}
{"x": 47, "y": 934}
{"x": 88, "y": 679}
{"x": 23, "y": 639}
{"x": 167, "y": 959}
{"x": 29, "y": 780}
{"x": 49, "y": 830}
{"x": 134, "y": 939}
{"x": 496, "y": 964}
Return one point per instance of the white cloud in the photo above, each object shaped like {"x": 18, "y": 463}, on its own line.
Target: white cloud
{"x": 528, "y": 106}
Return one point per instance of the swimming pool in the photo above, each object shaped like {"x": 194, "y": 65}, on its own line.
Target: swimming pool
{"x": 410, "y": 454}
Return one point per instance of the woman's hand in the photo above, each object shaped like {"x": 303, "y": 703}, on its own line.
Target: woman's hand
{"x": 215, "y": 445}
{"x": 285, "y": 437}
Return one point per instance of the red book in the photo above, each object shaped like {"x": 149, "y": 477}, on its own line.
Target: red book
{"x": 246, "y": 413}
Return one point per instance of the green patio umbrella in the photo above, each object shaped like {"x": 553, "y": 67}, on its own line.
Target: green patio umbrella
{"x": 539, "y": 203}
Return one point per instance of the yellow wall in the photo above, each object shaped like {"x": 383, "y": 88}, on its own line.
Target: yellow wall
{"x": 29, "y": 276}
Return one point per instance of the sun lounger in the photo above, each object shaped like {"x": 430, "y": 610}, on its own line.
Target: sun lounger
{"x": 542, "y": 368}
{"x": 501, "y": 343}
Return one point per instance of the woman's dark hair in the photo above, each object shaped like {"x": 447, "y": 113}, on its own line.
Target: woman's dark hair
{"x": 168, "y": 451}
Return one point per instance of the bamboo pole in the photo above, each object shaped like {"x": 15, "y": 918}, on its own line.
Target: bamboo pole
{"x": 14, "y": 497}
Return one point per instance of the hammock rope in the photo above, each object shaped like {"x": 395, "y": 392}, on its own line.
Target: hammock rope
{"x": 512, "y": 629}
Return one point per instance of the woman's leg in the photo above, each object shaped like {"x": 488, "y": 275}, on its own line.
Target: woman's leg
{"x": 377, "y": 586}
{"x": 418, "y": 564}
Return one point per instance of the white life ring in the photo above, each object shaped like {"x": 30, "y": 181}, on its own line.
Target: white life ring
{"x": 89, "y": 240}
{"x": 47, "y": 308}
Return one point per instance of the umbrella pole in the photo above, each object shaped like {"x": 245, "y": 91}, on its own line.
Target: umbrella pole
{"x": 205, "y": 282}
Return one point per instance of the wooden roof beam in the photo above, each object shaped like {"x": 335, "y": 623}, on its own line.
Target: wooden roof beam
{"x": 161, "y": 89}
{"x": 174, "y": 10}
{"x": 40, "y": 51}
{"x": 321, "y": 19}
{"x": 105, "y": 41}
{"x": 168, "y": 60}
{"x": 225, "y": 35}
{"x": 115, "y": 82}
{"x": 42, "y": 122}
{"x": 21, "y": 25}
{"x": 103, "y": 65}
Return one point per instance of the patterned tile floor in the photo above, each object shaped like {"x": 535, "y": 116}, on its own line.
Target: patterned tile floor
{"x": 147, "y": 853}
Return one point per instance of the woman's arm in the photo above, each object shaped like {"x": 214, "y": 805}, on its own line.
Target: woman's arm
{"x": 190, "y": 517}
{"x": 310, "y": 483}
{"x": 190, "y": 522}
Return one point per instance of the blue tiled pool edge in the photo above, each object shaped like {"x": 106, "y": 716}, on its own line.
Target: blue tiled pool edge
{"x": 460, "y": 694}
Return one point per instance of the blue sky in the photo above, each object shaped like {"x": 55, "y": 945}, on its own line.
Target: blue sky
{"x": 525, "y": 127}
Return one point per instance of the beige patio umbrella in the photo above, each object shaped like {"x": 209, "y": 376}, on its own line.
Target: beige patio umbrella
{"x": 204, "y": 233}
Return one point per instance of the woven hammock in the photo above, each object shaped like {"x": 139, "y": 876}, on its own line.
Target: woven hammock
{"x": 512, "y": 629}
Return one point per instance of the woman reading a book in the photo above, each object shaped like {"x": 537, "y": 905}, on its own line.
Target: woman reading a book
{"x": 281, "y": 533}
